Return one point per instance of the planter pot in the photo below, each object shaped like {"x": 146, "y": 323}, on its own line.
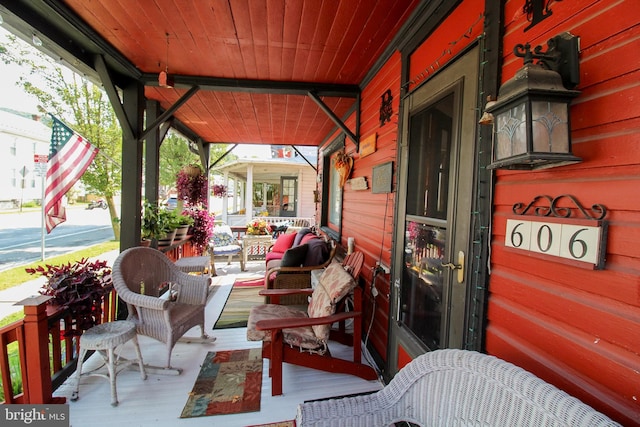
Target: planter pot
{"x": 167, "y": 239}
{"x": 145, "y": 242}
{"x": 181, "y": 233}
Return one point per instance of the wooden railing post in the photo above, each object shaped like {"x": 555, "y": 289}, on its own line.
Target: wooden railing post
{"x": 36, "y": 333}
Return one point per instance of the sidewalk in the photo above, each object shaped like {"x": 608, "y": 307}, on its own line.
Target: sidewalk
{"x": 10, "y": 296}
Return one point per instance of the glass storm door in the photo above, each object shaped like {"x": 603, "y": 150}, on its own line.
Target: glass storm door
{"x": 289, "y": 186}
{"x": 434, "y": 211}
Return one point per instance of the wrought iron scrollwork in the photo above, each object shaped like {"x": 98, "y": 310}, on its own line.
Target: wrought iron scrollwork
{"x": 553, "y": 209}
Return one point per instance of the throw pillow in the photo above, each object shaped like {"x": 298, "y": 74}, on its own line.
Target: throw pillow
{"x": 299, "y": 235}
{"x": 334, "y": 284}
{"x": 318, "y": 252}
{"x": 294, "y": 257}
{"x": 283, "y": 242}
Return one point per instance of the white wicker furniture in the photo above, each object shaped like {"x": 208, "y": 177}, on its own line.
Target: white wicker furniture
{"x": 138, "y": 275}
{"x": 105, "y": 338}
{"x": 457, "y": 388}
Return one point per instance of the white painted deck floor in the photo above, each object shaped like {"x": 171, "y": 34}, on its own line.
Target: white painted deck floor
{"x": 159, "y": 400}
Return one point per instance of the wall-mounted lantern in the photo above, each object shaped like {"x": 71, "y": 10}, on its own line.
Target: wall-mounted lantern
{"x": 531, "y": 123}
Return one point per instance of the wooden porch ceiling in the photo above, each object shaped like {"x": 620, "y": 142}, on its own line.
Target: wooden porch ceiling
{"x": 254, "y": 61}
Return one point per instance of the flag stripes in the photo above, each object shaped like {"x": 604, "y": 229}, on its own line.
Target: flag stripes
{"x": 70, "y": 158}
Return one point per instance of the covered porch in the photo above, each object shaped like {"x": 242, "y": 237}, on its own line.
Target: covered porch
{"x": 160, "y": 399}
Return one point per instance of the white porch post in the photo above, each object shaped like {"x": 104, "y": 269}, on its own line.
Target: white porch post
{"x": 225, "y": 199}
{"x": 248, "y": 197}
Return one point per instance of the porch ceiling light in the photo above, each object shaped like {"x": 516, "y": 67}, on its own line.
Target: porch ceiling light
{"x": 531, "y": 123}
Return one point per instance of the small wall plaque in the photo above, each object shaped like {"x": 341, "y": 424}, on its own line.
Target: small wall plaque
{"x": 359, "y": 183}
{"x": 368, "y": 145}
{"x": 382, "y": 178}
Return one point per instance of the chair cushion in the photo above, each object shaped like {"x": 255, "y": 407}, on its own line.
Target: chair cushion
{"x": 226, "y": 249}
{"x": 222, "y": 239}
{"x": 302, "y": 337}
{"x": 283, "y": 242}
{"x": 334, "y": 284}
{"x": 294, "y": 257}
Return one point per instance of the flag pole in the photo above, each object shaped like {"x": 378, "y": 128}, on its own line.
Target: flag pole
{"x": 42, "y": 226}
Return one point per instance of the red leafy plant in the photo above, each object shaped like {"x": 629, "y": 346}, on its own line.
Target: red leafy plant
{"x": 79, "y": 288}
{"x": 191, "y": 187}
{"x": 202, "y": 228}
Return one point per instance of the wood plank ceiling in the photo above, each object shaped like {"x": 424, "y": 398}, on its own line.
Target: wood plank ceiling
{"x": 283, "y": 41}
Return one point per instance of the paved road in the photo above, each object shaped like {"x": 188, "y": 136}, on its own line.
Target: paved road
{"x": 21, "y": 235}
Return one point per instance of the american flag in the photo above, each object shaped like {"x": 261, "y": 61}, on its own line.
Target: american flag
{"x": 69, "y": 156}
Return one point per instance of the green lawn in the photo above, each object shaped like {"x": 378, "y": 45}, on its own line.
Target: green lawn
{"x": 17, "y": 276}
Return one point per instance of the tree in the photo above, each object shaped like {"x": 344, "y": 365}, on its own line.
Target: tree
{"x": 85, "y": 108}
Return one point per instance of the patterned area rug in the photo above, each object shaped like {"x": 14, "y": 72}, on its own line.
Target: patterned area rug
{"x": 236, "y": 310}
{"x": 229, "y": 382}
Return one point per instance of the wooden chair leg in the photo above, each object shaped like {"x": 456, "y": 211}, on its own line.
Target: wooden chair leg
{"x": 276, "y": 362}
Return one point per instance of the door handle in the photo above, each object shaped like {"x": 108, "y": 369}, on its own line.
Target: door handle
{"x": 459, "y": 266}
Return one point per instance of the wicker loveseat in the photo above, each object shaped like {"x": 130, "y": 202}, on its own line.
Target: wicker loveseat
{"x": 457, "y": 388}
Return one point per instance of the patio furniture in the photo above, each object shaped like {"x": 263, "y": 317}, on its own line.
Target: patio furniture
{"x": 105, "y": 338}
{"x": 194, "y": 264}
{"x": 256, "y": 246}
{"x": 294, "y": 270}
{"x": 139, "y": 276}
{"x": 223, "y": 244}
{"x": 456, "y": 387}
{"x": 301, "y": 337}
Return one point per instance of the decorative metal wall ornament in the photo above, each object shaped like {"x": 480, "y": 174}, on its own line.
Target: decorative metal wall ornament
{"x": 537, "y": 11}
{"x": 386, "y": 108}
{"x": 598, "y": 211}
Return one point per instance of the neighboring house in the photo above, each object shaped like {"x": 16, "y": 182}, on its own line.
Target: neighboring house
{"x": 20, "y": 139}
{"x": 288, "y": 183}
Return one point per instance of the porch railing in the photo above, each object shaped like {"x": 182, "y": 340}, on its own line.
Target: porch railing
{"x": 39, "y": 352}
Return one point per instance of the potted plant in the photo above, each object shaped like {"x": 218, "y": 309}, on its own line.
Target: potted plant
{"x": 79, "y": 288}
{"x": 184, "y": 222}
{"x": 156, "y": 222}
{"x": 202, "y": 228}
{"x": 192, "y": 185}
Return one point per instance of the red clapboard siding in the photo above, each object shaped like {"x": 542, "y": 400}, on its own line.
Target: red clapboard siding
{"x": 578, "y": 328}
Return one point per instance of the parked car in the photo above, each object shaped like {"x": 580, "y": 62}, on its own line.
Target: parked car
{"x": 171, "y": 203}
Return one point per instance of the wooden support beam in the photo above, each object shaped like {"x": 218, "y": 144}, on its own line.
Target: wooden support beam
{"x": 169, "y": 112}
{"x": 333, "y": 117}
{"x": 112, "y": 93}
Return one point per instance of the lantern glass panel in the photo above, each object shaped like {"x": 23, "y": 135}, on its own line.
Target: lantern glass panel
{"x": 550, "y": 126}
{"x": 511, "y": 132}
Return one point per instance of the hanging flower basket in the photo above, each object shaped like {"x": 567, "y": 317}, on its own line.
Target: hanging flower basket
{"x": 219, "y": 190}
{"x": 192, "y": 185}
{"x": 192, "y": 170}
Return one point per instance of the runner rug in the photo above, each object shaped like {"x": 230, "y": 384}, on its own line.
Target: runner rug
{"x": 236, "y": 310}
{"x": 229, "y": 382}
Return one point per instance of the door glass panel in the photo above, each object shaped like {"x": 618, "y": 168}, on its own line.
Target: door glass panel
{"x": 288, "y": 201}
{"x": 421, "y": 303}
{"x": 421, "y": 309}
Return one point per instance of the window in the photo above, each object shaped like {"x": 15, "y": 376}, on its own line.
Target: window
{"x": 331, "y": 191}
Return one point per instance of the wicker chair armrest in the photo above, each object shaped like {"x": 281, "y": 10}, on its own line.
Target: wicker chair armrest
{"x": 191, "y": 289}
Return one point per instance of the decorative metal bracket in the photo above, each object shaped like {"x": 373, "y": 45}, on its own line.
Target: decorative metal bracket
{"x": 598, "y": 211}
{"x": 561, "y": 56}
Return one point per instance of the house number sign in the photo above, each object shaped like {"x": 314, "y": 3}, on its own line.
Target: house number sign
{"x": 551, "y": 231}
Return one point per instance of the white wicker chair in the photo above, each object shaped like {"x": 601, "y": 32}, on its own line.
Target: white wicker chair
{"x": 457, "y": 388}
{"x": 155, "y": 316}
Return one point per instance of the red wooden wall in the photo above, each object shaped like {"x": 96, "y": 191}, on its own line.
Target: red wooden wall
{"x": 368, "y": 217}
{"x": 577, "y": 328}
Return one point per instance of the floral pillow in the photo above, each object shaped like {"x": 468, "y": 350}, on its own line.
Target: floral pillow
{"x": 223, "y": 239}
{"x": 334, "y": 284}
